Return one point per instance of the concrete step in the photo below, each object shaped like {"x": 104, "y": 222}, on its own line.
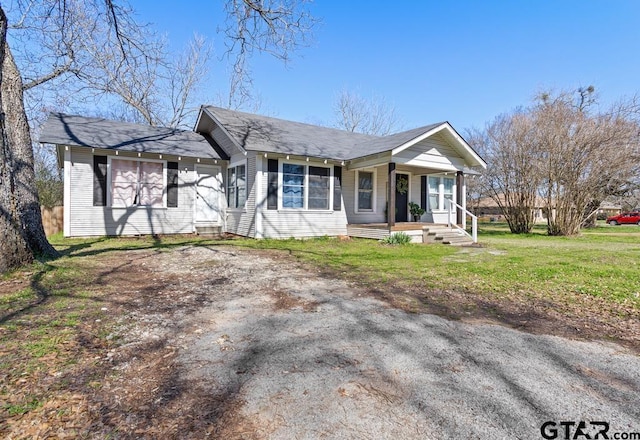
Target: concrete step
{"x": 209, "y": 231}
{"x": 445, "y": 235}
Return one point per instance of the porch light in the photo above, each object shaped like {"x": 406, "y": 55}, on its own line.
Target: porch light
{"x": 159, "y": 156}
{"x": 325, "y": 161}
{"x": 179, "y": 157}
{"x": 93, "y": 151}
{"x": 265, "y": 154}
{"x": 116, "y": 152}
{"x": 307, "y": 159}
{"x": 139, "y": 154}
{"x": 287, "y": 157}
{"x": 198, "y": 160}
{"x": 215, "y": 161}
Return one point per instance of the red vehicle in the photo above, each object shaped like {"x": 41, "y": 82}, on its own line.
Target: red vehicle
{"x": 626, "y": 218}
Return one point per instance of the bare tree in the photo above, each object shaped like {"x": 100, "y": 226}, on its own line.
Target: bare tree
{"x": 590, "y": 155}
{"x": 275, "y": 27}
{"x": 14, "y": 248}
{"x": 513, "y": 174}
{"x": 565, "y": 152}
{"x": 369, "y": 116}
{"x": 19, "y": 206}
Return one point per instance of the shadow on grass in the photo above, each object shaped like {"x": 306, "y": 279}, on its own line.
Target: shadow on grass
{"x": 40, "y": 292}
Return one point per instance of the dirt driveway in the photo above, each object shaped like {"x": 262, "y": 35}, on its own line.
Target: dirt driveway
{"x": 230, "y": 343}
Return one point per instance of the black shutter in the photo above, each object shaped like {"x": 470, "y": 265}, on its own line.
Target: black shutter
{"x": 99, "y": 180}
{"x": 423, "y": 192}
{"x": 172, "y": 184}
{"x": 272, "y": 189}
{"x": 337, "y": 188}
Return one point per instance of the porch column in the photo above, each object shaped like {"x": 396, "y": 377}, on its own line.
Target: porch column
{"x": 391, "y": 205}
{"x": 460, "y": 196}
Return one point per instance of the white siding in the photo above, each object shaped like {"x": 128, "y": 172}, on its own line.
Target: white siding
{"x": 88, "y": 220}
{"x": 349, "y": 196}
{"x": 433, "y": 152}
{"x": 300, "y": 224}
{"x": 287, "y": 223}
{"x": 242, "y": 221}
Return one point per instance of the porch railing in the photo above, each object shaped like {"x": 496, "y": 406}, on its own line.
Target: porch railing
{"x": 451, "y": 206}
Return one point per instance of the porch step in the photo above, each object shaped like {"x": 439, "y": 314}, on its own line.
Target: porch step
{"x": 209, "y": 231}
{"x": 445, "y": 235}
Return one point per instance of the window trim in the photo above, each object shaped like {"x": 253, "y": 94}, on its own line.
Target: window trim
{"x": 111, "y": 158}
{"x": 440, "y": 192}
{"x": 305, "y": 202}
{"x": 226, "y": 185}
{"x": 374, "y": 191}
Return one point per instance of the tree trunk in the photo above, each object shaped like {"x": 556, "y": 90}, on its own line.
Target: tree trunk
{"x": 21, "y": 233}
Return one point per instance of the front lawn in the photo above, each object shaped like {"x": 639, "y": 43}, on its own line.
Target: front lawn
{"x": 602, "y": 262}
{"x": 59, "y": 319}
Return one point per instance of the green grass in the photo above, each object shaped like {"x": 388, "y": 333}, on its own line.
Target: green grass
{"x": 24, "y": 407}
{"x": 602, "y": 262}
{"x": 48, "y": 312}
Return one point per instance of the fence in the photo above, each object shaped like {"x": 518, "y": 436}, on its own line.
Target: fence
{"x": 52, "y": 219}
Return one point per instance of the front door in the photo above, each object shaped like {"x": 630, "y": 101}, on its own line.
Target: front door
{"x": 208, "y": 194}
{"x": 402, "y": 197}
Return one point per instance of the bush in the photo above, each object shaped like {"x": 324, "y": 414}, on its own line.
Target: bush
{"x": 397, "y": 238}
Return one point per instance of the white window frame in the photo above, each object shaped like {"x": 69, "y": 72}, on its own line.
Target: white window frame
{"x": 440, "y": 191}
{"x": 246, "y": 186}
{"x": 374, "y": 191}
{"x": 136, "y": 159}
{"x": 305, "y": 201}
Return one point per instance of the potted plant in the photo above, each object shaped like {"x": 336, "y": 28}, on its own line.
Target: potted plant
{"x": 416, "y": 211}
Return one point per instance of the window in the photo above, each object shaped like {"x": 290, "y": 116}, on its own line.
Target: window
{"x": 236, "y": 186}
{"x": 306, "y": 187}
{"x": 365, "y": 188}
{"x": 292, "y": 186}
{"x": 448, "y": 190}
{"x": 136, "y": 183}
{"x": 440, "y": 188}
{"x": 434, "y": 193}
{"x": 318, "y": 188}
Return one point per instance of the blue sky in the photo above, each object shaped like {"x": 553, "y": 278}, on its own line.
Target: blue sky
{"x": 461, "y": 61}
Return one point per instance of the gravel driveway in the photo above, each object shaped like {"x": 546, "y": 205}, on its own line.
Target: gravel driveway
{"x": 306, "y": 357}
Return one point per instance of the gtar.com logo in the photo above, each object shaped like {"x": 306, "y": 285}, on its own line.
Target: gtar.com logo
{"x": 568, "y": 430}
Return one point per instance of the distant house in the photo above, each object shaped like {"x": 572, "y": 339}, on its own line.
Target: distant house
{"x": 608, "y": 209}
{"x": 253, "y": 176}
{"x": 487, "y": 208}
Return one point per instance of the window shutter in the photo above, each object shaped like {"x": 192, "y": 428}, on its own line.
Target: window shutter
{"x": 99, "y": 180}
{"x": 423, "y": 192}
{"x": 272, "y": 189}
{"x": 337, "y": 188}
{"x": 172, "y": 184}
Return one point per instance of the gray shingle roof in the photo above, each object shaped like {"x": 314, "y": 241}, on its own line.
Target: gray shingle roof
{"x": 81, "y": 131}
{"x": 272, "y": 135}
